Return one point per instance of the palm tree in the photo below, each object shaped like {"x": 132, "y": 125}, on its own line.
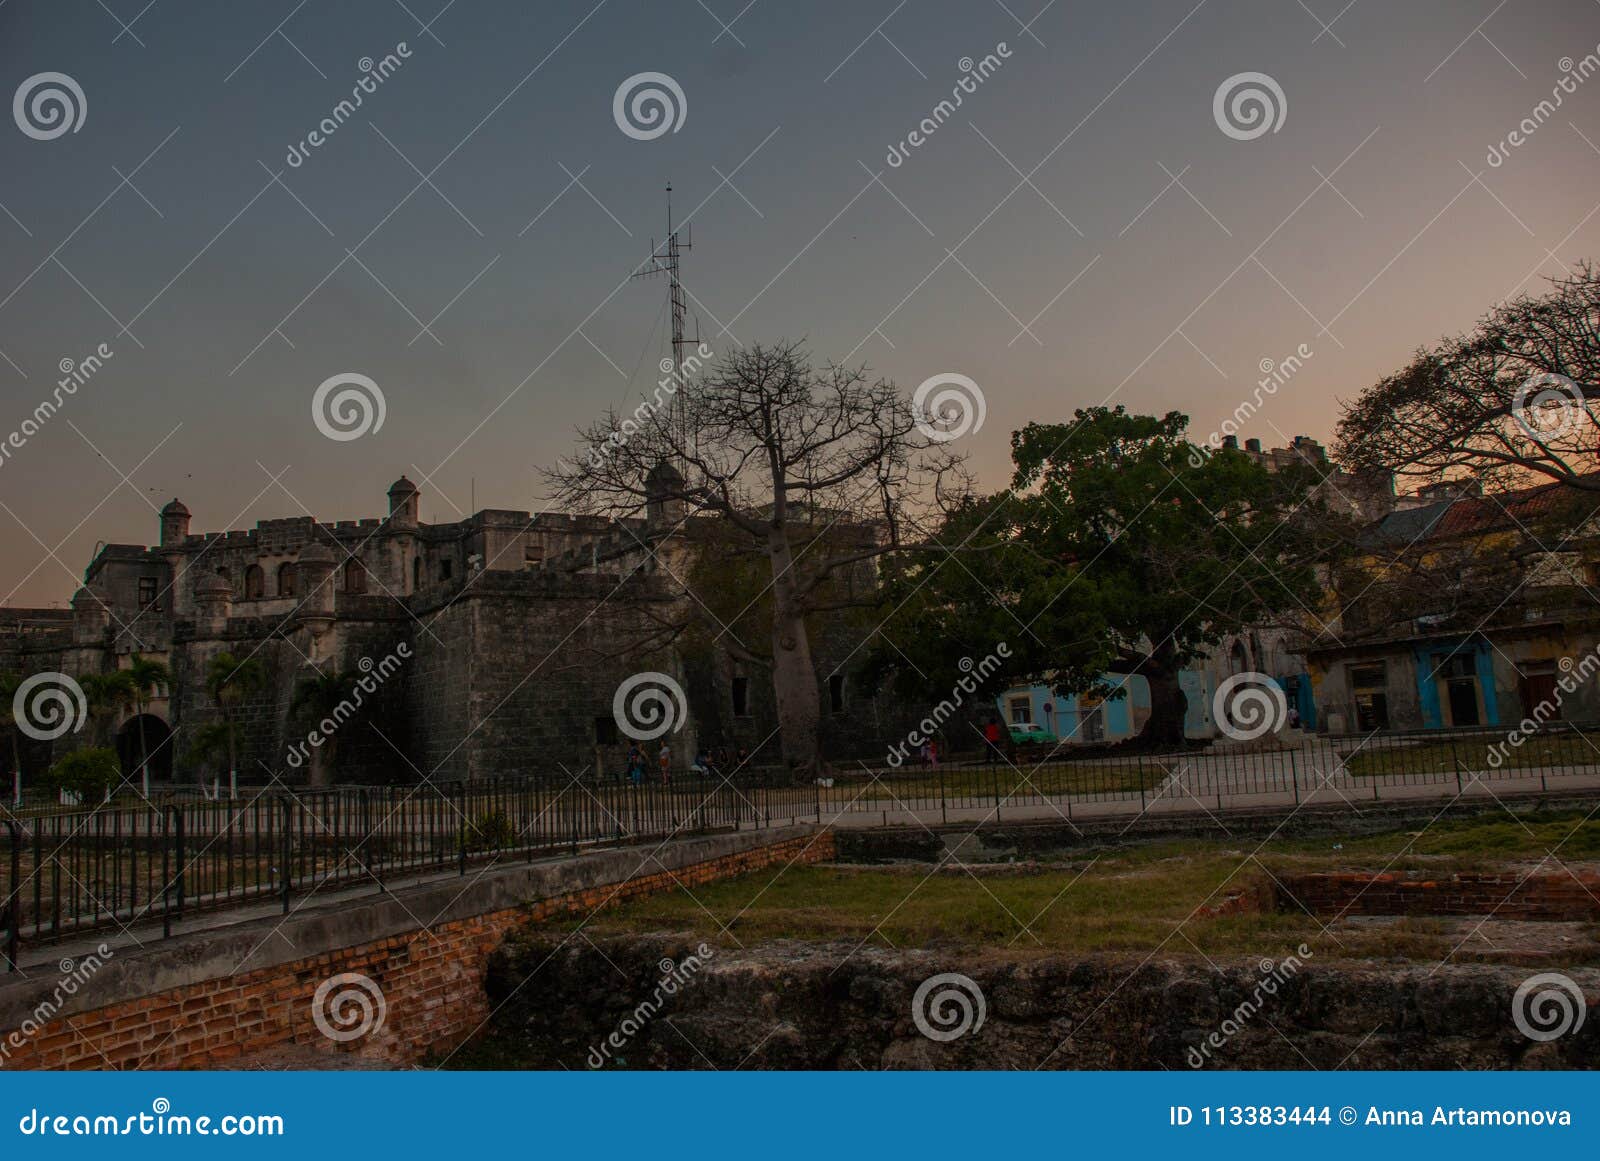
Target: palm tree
{"x": 230, "y": 681}
{"x": 317, "y": 698}
{"x": 148, "y": 676}
{"x": 8, "y": 691}
{"x": 209, "y": 745}
{"x": 108, "y": 694}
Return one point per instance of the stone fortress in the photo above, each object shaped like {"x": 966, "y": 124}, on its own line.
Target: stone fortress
{"x": 517, "y": 631}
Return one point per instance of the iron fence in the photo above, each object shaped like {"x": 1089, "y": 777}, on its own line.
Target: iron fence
{"x": 74, "y": 871}
{"x": 1350, "y": 766}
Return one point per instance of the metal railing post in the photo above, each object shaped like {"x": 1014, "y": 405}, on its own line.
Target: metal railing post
{"x": 177, "y": 812}
{"x": 13, "y": 901}
{"x": 284, "y": 851}
{"x": 944, "y": 812}
{"x": 166, "y": 874}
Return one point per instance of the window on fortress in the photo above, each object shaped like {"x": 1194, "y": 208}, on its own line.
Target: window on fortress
{"x": 355, "y": 577}
{"x": 286, "y": 580}
{"x": 605, "y": 730}
{"x": 255, "y": 583}
{"x": 836, "y": 693}
{"x": 226, "y": 575}
{"x": 741, "y": 697}
{"x": 445, "y": 569}
{"x": 147, "y": 591}
{"x": 416, "y": 574}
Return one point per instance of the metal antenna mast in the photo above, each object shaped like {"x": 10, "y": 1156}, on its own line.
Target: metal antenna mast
{"x": 665, "y": 261}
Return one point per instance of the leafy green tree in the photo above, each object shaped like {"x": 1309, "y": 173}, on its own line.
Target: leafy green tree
{"x": 230, "y": 681}
{"x": 147, "y": 676}
{"x": 208, "y": 748}
{"x": 89, "y": 773}
{"x": 1120, "y": 547}
{"x": 108, "y": 695}
{"x": 328, "y": 695}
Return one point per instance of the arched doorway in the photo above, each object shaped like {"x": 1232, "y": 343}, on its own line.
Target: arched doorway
{"x": 1239, "y": 658}
{"x": 155, "y": 738}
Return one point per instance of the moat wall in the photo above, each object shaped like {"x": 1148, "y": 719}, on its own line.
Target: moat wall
{"x": 208, "y": 999}
{"x": 838, "y": 1006}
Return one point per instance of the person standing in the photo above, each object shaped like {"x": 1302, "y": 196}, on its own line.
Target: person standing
{"x": 635, "y": 764}
{"x": 991, "y": 738}
{"x": 665, "y": 758}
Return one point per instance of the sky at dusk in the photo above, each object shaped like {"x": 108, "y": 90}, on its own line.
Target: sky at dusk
{"x": 1082, "y": 229}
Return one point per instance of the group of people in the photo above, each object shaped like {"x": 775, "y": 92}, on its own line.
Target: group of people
{"x": 715, "y": 761}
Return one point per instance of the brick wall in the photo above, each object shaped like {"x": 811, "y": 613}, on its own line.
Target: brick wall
{"x": 1564, "y": 896}
{"x": 431, "y": 982}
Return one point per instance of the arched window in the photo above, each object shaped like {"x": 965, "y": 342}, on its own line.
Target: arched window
{"x": 355, "y": 576}
{"x": 1241, "y": 658}
{"x": 226, "y": 575}
{"x": 255, "y": 582}
{"x": 416, "y": 574}
{"x": 286, "y": 580}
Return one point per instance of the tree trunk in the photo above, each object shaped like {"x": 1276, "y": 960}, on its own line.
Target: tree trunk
{"x": 1169, "y": 706}
{"x": 794, "y": 677}
{"x": 144, "y": 756}
{"x": 320, "y": 776}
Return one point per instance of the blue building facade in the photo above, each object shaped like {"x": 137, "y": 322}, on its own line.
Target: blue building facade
{"x": 1087, "y": 720}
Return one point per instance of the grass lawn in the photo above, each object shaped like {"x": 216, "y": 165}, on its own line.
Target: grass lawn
{"x": 1441, "y": 757}
{"x": 1125, "y": 900}
{"x": 979, "y": 783}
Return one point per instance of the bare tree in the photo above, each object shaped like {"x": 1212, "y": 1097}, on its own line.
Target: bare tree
{"x": 1511, "y": 402}
{"x": 820, "y": 472}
